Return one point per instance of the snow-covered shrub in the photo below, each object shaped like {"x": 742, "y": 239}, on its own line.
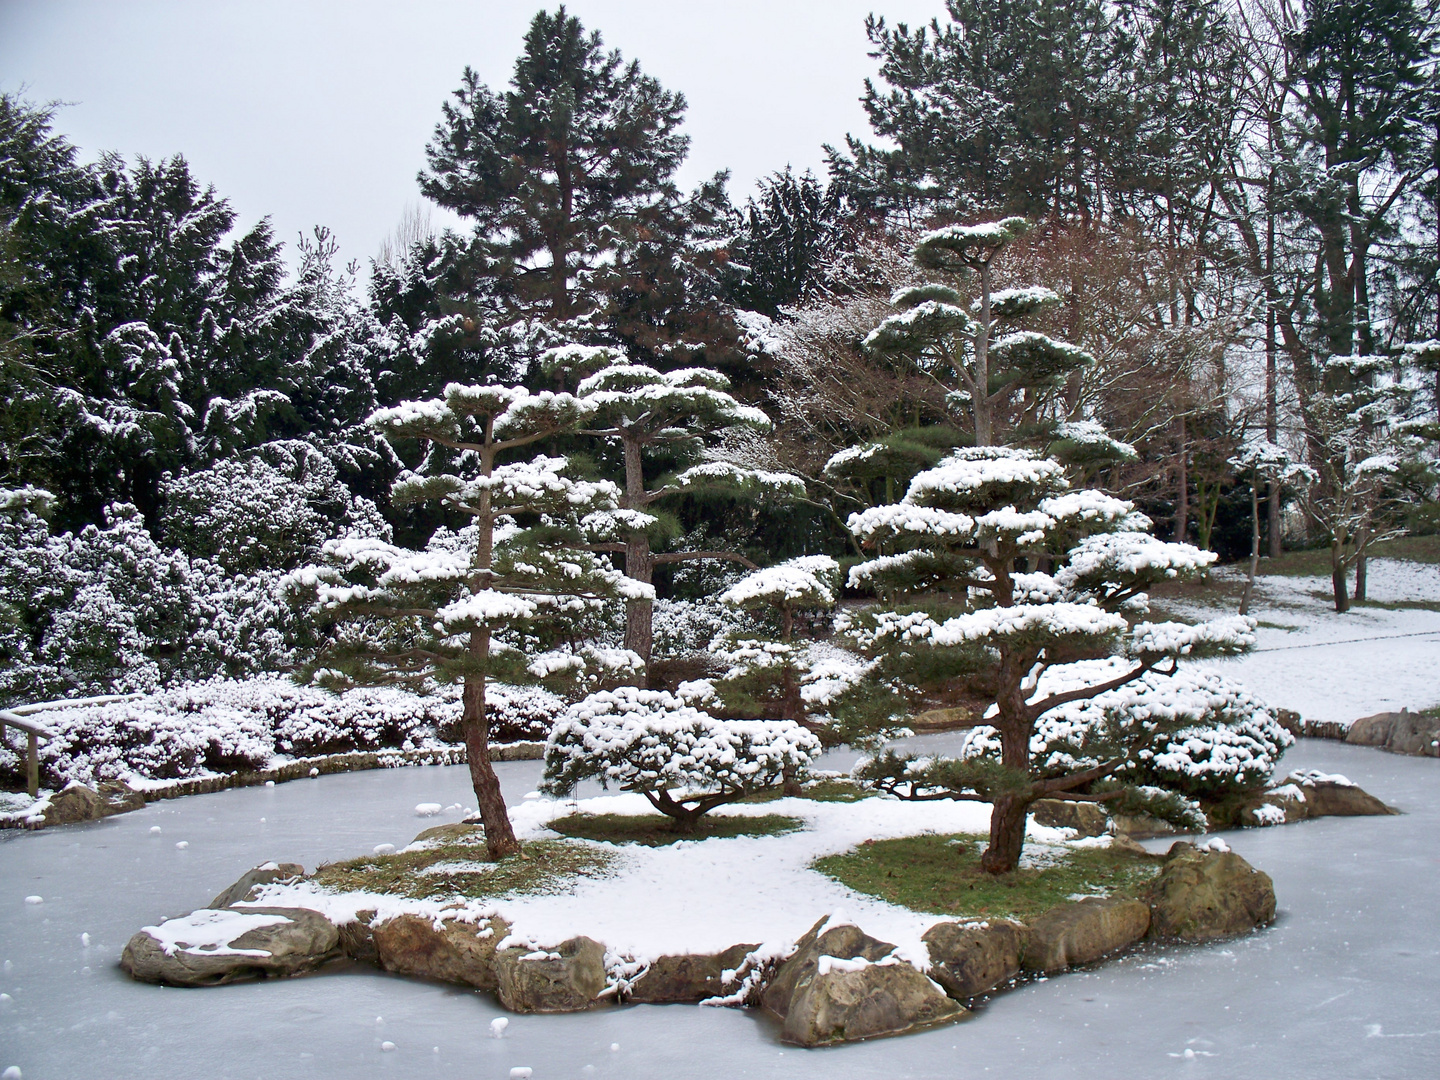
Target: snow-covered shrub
{"x": 270, "y": 510}
{"x": 682, "y": 760}
{"x": 517, "y": 714}
{"x": 687, "y": 627}
{"x": 1191, "y": 732}
{"x": 229, "y": 725}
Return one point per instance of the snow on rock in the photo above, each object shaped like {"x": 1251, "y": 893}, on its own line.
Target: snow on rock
{"x": 427, "y": 809}
{"x": 211, "y": 932}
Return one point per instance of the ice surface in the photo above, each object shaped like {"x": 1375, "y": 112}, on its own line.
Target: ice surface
{"x": 1342, "y": 985}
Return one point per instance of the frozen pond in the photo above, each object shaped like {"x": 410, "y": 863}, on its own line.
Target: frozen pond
{"x": 1345, "y": 983}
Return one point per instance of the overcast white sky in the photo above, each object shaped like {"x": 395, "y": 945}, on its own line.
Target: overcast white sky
{"x": 318, "y": 113}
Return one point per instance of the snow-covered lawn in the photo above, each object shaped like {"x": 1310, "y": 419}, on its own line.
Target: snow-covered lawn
{"x": 1338, "y": 668}
{"x": 707, "y": 895}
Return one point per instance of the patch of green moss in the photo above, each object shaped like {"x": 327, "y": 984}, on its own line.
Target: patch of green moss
{"x": 941, "y": 875}
{"x": 656, "y": 830}
{"x": 462, "y": 871}
{"x": 835, "y": 789}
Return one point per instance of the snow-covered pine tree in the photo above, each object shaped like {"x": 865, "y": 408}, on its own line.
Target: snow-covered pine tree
{"x": 684, "y": 761}
{"x": 943, "y": 340}
{"x": 661, "y": 417}
{"x": 451, "y": 600}
{"x": 778, "y": 675}
{"x": 954, "y": 605}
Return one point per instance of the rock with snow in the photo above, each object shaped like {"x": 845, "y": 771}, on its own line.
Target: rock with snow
{"x": 1078, "y": 933}
{"x": 498, "y": 1026}
{"x": 841, "y": 984}
{"x": 687, "y": 977}
{"x": 969, "y": 958}
{"x": 1086, "y": 818}
{"x": 74, "y": 804}
{"x": 263, "y": 874}
{"x": 427, "y": 809}
{"x": 567, "y": 978}
{"x": 209, "y": 947}
{"x": 1401, "y": 732}
{"x": 1200, "y": 895}
{"x": 121, "y": 797}
{"x": 1141, "y": 826}
{"x": 1308, "y": 794}
{"x": 459, "y": 833}
{"x": 449, "y": 950}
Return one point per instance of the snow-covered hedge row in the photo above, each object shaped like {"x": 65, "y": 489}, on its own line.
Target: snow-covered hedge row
{"x": 233, "y": 725}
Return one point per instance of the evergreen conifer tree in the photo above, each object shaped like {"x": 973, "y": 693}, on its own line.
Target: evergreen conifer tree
{"x": 560, "y": 169}
{"x": 954, "y": 605}
{"x": 454, "y": 602}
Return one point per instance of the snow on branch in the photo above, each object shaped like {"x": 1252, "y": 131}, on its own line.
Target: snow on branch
{"x": 683, "y": 760}
{"x": 810, "y": 581}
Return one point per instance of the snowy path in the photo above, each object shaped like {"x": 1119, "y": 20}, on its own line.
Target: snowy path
{"x": 1343, "y": 985}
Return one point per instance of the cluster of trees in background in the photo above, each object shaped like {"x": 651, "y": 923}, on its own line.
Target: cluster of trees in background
{"x": 1236, "y": 222}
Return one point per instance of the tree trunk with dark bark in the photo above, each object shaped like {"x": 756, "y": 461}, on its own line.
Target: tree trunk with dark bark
{"x": 499, "y": 835}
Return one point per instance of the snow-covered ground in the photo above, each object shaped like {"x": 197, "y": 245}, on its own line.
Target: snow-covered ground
{"x": 1343, "y": 985}
{"x": 1331, "y": 667}
{"x": 705, "y": 896}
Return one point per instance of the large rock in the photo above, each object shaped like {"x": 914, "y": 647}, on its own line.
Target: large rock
{"x": 1086, "y": 818}
{"x": 567, "y": 978}
{"x": 968, "y": 959}
{"x": 1078, "y": 933}
{"x": 75, "y": 803}
{"x": 449, "y": 950}
{"x": 210, "y": 947}
{"x": 841, "y": 984}
{"x": 1141, "y": 826}
{"x": 264, "y": 874}
{"x": 121, "y": 797}
{"x": 1327, "y": 795}
{"x": 1309, "y": 794}
{"x": 846, "y": 1000}
{"x": 459, "y": 833}
{"x": 1200, "y": 895}
{"x": 1400, "y": 732}
{"x": 687, "y": 977}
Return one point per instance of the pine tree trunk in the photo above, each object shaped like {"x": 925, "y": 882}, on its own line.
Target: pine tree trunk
{"x": 1007, "y": 835}
{"x": 980, "y": 402}
{"x": 499, "y": 835}
{"x": 1182, "y": 493}
{"x": 639, "y": 562}
{"x": 1361, "y": 558}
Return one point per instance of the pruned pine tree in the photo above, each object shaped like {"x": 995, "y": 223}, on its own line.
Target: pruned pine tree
{"x": 668, "y": 417}
{"x": 787, "y": 674}
{"x": 494, "y": 577}
{"x": 1359, "y": 439}
{"x": 684, "y": 761}
{"x": 960, "y": 348}
{"x": 1262, "y": 462}
{"x": 955, "y": 607}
